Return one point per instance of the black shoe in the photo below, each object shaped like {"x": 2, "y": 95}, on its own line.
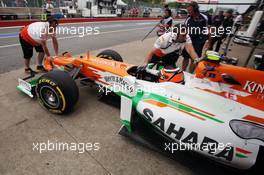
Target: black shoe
{"x": 41, "y": 69}
{"x": 30, "y": 71}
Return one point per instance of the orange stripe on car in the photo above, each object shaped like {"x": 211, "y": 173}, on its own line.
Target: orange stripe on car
{"x": 254, "y": 119}
{"x": 193, "y": 108}
{"x": 162, "y": 105}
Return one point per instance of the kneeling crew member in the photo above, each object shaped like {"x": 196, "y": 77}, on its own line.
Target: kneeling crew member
{"x": 168, "y": 47}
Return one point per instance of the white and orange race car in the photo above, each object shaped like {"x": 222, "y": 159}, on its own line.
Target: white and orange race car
{"x": 217, "y": 112}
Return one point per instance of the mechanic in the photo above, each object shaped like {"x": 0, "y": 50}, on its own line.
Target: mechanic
{"x": 35, "y": 35}
{"x": 165, "y": 22}
{"x": 48, "y": 8}
{"x": 200, "y": 39}
{"x": 238, "y": 19}
{"x": 166, "y": 6}
{"x": 228, "y": 22}
{"x": 217, "y": 23}
{"x": 168, "y": 47}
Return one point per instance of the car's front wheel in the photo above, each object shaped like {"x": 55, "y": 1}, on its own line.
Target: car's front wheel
{"x": 57, "y": 92}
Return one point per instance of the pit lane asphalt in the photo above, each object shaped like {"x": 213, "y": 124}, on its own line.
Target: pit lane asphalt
{"x": 111, "y": 33}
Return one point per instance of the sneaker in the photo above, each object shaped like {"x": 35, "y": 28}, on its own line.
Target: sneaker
{"x": 41, "y": 69}
{"x": 30, "y": 71}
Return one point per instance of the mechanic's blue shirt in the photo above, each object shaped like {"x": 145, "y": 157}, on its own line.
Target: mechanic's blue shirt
{"x": 197, "y": 28}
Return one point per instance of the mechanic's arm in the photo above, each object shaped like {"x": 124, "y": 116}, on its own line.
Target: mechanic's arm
{"x": 154, "y": 51}
{"x": 55, "y": 45}
{"x": 189, "y": 48}
{"x": 45, "y": 48}
{"x": 208, "y": 43}
{"x": 149, "y": 56}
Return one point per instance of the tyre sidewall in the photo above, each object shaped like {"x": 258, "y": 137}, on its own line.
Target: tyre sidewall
{"x": 47, "y": 83}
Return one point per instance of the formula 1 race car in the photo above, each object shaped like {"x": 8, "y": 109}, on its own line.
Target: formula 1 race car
{"x": 218, "y": 111}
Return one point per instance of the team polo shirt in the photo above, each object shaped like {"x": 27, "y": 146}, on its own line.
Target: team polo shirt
{"x": 200, "y": 22}
{"x": 164, "y": 44}
{"x": 37, "y": 32}
{"x": 167, "y": 22}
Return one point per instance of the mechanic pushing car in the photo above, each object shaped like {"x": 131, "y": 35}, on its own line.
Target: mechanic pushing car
{"x": 200, "y": 39}
{"x": 169, "y": 46}
{"x": 35, "y": 35}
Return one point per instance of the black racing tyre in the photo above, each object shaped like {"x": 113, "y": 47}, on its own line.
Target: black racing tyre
{"x": 111, "y": 55}
{"x": 57, "y": 92}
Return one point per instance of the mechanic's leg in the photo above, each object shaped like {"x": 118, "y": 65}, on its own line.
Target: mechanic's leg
{"x": 27, "y": 52}
{"x": 40, "y": 68}
{"x": 27, "y": 66}
{"x": 27, "y": 63}
{"x": 41, "y": 55}
{"x": 40, "y": 58}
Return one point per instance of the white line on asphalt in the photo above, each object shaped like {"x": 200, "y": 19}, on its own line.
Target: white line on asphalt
{"x": 123, "y": 21}
{"x": 77, "y": 36}
{"x": 15, "y": 35}
{"x": 11, "y": 45}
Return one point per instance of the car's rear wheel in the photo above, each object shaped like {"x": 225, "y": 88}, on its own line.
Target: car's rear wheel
{"x": 111, "y": 55}
{"x": 57, "y": 92}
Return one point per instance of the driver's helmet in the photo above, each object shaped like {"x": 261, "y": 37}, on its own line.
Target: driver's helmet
{"x": 171, "y": 74}
{"x": 212, "y": 56}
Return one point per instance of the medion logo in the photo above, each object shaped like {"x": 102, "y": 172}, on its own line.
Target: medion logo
{"x": 251, "y": 87}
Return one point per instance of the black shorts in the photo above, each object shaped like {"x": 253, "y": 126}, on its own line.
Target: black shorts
{"x": 168, "y": 60}
{"x": 198, "y": 47}
{"x": 28, "y": 48}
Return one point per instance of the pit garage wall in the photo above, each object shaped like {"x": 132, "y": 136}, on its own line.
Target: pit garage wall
{"x": 97, "y": 8}
{"x": 188, "y": 1}
{"x": 23, "y": 12}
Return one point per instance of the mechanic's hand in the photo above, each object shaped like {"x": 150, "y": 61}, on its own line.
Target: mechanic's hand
{"x": 206, "y": 46}
{"x": 197, "y": 60}
{"x": 49, "y": 58}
